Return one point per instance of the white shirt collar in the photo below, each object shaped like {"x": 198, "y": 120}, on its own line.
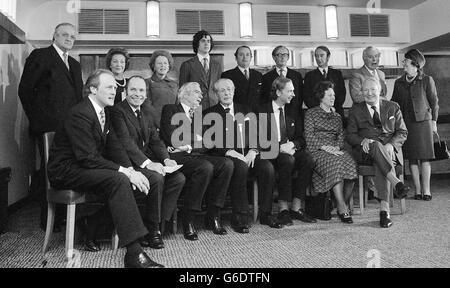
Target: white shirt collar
{"x": 133, "y": 109}
{"x": 276, "y": 107}
{"x": 371, "y": 110}
{"x": 97, "y": 108}
{"x": 60, "y": 52}
{"x": 321, "y": 69}
{"x": 200, "y": 58}
{"x": 279, "y": 70}
{"x": 373, "y": 72}
{"x": 186, "y": 109}
{"x": 231, "y": 108}
{"x": 242, "y": 70}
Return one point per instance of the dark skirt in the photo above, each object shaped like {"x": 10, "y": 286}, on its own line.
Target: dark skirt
{"x": 419, "y": 144}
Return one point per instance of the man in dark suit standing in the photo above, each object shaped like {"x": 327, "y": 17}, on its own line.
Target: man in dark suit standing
{"x": 202, "y": 68}
{"x": 376, "y": 131}
{"x": 324, "y": 73}
{"x": 242, "y": 148}
{"x": 292, "y": 156}
{"x": 182, "y": 132}
{"x": 136, "y": 130}
{"x": 247, "y": 82}
{"x": 87, "y": 156}
{"x": 281, "y": 56}
{"x": 50, "y": 84}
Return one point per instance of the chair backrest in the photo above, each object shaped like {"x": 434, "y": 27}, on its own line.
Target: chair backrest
{"x": 47, "y": 140}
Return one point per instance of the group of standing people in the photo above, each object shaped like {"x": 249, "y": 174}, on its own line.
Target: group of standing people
{"x": 122, "y": 152}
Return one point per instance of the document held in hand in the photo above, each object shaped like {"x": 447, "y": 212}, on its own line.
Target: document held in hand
{"x": 171, "y": 169}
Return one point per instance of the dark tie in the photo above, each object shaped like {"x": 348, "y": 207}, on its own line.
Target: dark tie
{"x": 141, "y": 123}
{"x": 324, "y": 74}
{"x": 246, "y": 74}
{"x": 205, "y": 65}
{"x": 102, "y": 119}
{"x": 227, "y": 110}
{"x": 376, "y": 118}
{"x": 283, "y": 137}
{"x": 191, "y": 113}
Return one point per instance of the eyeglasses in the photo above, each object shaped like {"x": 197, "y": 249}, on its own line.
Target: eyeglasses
{"x": 282, "y": 55}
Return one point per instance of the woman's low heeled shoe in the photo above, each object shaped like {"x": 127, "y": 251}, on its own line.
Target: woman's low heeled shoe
{"x": 345, "y": 218}
{"x": 427, "y": 197}
{"x": 418, "y": 197}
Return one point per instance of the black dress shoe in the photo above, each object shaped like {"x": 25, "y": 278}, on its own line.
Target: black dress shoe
{"x": 345, "y": 218}
{"x": 418, "y": 197}
{"x": 140, "y": 261}
{"x": 271, "y": 221}
{"x": 302, "y": 216}
{"x": 427, "y": 197}
{"x": 401, "y": 190}
{"x": 385, "y": 222}
{"x": 153, "y": 240}
{"x": 285, "y": 218}
{"x": 239, "y": 224}
{"x": 91, "y": 246}
{"x": 189, "y": 231}
{"x": 214, "y": 225}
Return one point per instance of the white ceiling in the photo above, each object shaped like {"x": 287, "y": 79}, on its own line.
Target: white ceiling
{"x": 386, "y": 4}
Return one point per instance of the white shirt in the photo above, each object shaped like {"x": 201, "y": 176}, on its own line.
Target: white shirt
{"x": 373, "y": 72}
{"x": 323, "y": 69}
{"x": 60, "y": 52}
{"x": 276, "y": 112}
{"x": 377, "y": 106}
{"x": 279, "y": 71}
{"x": 243, "y": 69}
{"x": 200, "y": 58}
{"x": 186, "y": 109}
{"x": 97, "y": 109}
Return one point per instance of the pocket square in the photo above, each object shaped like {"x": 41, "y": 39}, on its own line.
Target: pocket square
{"x": 292, "y": 124}
{"x": 392, "y": 117}
{"x": 107, "y": 131}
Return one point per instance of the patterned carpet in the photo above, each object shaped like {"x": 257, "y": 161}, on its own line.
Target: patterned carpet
{"x": 418, "y": 238}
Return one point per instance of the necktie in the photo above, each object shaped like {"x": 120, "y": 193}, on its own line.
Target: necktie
{"x": 227, "y": 110}
{"x": 141, "y": 124}
{"x": 66, "y": 60}
{"x": 282, "y": 72}
{"x": 102, "y": 119}
{"x": 324, "y": 74}
{"x": 205, "y": 65}
{"x": 376, "y": 118}
{"x": 283, "y": 137}
{"x": 246, "y": 74}
{"x": 191, "y": 113}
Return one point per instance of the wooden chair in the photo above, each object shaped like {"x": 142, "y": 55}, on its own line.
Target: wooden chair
{"x": 369, "y": 170}
{"x": 68, "y": 197}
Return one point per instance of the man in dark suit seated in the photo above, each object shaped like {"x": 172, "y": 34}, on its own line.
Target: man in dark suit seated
{"x": 182, "y": 132}
{"x": 377, "y": 132}
{"x": 50, "y": 85}
{"x": 292, "y": 153}
{"x": 242, "y": 148}
{"x": 87, "y": 156}
{"x": 324, "y": 73}
{"x": 202, "y": 68}
{"x": 281, "y": 56}
{"x": 247, "y": 82}
{"x": 136, "y": 130}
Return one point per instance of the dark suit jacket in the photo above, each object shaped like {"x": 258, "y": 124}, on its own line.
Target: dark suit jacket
{"x": 192, "y": 71}
{"x": 360, "y": 125}
{"x": 315, "y": 76}
{"x": 139, "y": 147}
{"x": 81, "y": 144}
{"x": 190, "y": 134}
{"x": 48, "y": 90}
{"x": 297, "y": 79}
{"x": 246, "y": 92}
{"x": 294, "y": 124}
{"x": 247, "y": 131}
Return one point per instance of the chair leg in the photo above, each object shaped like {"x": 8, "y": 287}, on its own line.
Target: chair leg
{"x": 255, "y": 201}
{"x": 49, "y": 227}
{"x": 70, "y": 230}
{"x": 361, "y": 194}
{"x": 115, "y": 241}
{"x": 175, "y": 220}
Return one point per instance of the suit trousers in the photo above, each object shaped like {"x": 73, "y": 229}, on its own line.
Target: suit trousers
{"x": 162, "y": 198}
{"x": 265, "y": 177}
{"x": 383, "y": 163}
{"x": 286, "y": 165}
{"x": 238, "y": 186}
{"x": 115, "y": 187}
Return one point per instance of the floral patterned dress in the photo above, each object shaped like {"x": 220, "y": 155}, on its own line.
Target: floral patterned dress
{"x": 325, "y": 128}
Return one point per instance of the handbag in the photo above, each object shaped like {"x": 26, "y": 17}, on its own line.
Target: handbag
{"x": 319, "y": 206}
{"x": 440, "y": 150}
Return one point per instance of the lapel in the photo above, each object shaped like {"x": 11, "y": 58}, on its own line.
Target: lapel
{"x": 384, "y": 113}
{"x": 97, "y": 125}
{"x": 241, "y": 77}
{"x": 134, "y": 121}
{"x": 60, "y": 63}
{"x": 199, "y": 68}
{"x": 366, "y": 113}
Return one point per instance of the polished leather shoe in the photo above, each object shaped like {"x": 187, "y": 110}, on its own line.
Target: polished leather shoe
{"x": 427, "y": 197}
{"x": 214, "y": 225}
{"x": 153, "y": 240}
{"x": 140, "y": 261}
{"x": 345, "y": 218}
{"x": 270, "y": 220}
{"x": 401, "y": 190}
{"x": 189, "y": 231}
{"x": 418, "y": 197}
{"x": 91, "y": 246}
{"x": 385, "y": 222}
{"x": 285, "y": 218}
{"x": 239, "y": 224}
{"x": 302, "y": 216}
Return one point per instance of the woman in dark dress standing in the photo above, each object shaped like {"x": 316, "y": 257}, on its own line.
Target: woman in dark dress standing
{"x": 117, "y": 60}
{"x": 416, "y": 94}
